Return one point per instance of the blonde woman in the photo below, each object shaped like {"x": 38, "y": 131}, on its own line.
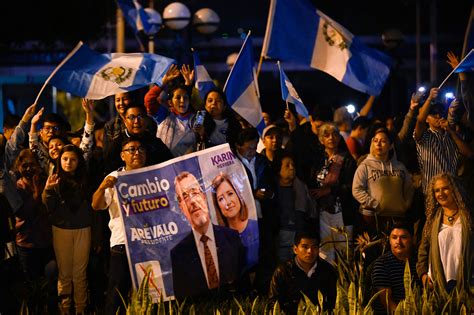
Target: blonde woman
{"x": 445, "y": 253}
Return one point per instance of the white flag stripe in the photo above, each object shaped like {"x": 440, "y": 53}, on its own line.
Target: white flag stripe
{"x": 327, "y": 58}
{"x": 99, "y": 86}
{"x": 245, "y": 106}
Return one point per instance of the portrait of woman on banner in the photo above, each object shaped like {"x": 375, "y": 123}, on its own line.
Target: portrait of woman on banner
{"x": 232, "y": 211}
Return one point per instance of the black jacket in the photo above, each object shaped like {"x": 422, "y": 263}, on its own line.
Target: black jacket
{"x": 289, "y": 283}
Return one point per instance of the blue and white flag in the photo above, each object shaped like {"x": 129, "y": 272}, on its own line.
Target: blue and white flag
{"x": 289, "y": 94}
{"x": 298, "y": 32}
{"x": 203, "y": 82}
{"x": 467, "y": 64}
{"x": 137, "y": 17}
{"x": 89, "y": 74}
{"x": 241, "y": 87}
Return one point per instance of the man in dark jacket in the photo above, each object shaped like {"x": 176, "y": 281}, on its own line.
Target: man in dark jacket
{"x": 304, "y": 274}
{"x": 135, "y": 125}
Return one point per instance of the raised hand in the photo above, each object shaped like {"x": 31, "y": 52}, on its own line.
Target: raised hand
{"x": 52, "y": 182}
{"x": 290, "y": 119}
{"x": 433, "y": 93}
{"x": 30, "y": 111}
{"x": 453, "y": 60}
{"x": 171, "y": 74}
{"x": 36, "y": 118}
{"x": 414, "y": 102}
{"x": 88, "y": 107}
{"x": 187, "y": 74}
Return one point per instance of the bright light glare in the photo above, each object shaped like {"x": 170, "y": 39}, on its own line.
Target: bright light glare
{"x": 421, "y": 89}
{"x": 351, "y": 108}
{"x": 449, "y": 95}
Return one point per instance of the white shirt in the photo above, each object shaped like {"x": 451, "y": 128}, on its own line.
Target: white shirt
{"x": 117, "y": 236}
{"x": 310, "y": 271}
{"x": 211, "y": 243}
{"x": 450, "y": 247}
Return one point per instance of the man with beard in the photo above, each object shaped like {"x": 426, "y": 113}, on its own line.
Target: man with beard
{"x": 210, "y": 258}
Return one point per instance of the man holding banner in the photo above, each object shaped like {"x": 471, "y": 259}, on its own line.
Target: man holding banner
{"x": 210, "y": 257}
{"x": 133, "y": 154}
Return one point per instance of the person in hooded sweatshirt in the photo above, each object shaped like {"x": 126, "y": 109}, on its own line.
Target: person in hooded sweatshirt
{"x": 382, "y": 185}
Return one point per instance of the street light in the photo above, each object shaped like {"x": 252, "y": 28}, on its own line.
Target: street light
{"x": 176, "y": 16}
{"x": 206, "y": 21}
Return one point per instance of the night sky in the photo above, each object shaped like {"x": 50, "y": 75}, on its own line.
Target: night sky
{"x": 71, "y": 21}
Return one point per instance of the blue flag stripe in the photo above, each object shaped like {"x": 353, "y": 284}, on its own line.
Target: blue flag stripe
{"x": 367, "y": 69}
{"x": 84, "y": 78}
{"x": 241, "y": 75}
{"x": 294, "y": 27}
{"x": 289, "y": 44}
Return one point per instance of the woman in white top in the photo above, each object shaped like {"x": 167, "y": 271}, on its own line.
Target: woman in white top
{"x": 445, "y": 253}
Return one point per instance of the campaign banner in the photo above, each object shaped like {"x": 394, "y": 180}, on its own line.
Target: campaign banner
{"x": 166, "y": 208}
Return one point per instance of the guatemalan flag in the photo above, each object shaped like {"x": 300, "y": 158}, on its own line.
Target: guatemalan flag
{"x": 203, "y": 82}
{"x": 138, "y": 17}
{"x": 289, "y": 94}
{"x": 89, "y": 74}
{"x": 298, "y": 32}
{"x": 241, "y": 87}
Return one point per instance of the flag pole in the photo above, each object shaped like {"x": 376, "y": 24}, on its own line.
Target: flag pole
{"x": 444, "y": 81}
{"x": 79, "y": 45}
{"x": 259, "y": 67}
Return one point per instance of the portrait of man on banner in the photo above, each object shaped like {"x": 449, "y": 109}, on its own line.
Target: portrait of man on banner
{"x": 210, "y": 257}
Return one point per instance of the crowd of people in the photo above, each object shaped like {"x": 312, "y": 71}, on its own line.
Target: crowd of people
{"x": 317, "y": 183}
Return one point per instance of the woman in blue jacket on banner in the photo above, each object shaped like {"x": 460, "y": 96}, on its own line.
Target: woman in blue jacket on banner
{"x": 232, "y": 212}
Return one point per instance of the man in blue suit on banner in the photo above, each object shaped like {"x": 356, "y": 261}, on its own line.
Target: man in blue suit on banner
{"x": 210, "y": 258}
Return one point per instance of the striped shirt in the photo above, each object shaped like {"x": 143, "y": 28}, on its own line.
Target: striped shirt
{"x": 388, "y": 272}
{"x": 437, "y": 153}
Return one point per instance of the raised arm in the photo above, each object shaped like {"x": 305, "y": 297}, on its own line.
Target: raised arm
{"x": 365, "y": 110}
{"x": 87, "y": 140}
{"x": 41, "y": 157}
{"x": 151, "y": 97}
{"x": 420, "y": 126}
{"x": 453, "y": 61}
{"x": 187, "y": 74}
{"x": 13, "y": 145}
{"x": 409, "y": 121}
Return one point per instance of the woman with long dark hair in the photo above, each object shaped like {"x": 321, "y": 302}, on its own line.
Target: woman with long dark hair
{"x": 220, "y": 122}
{"x": 67, "y": 199}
